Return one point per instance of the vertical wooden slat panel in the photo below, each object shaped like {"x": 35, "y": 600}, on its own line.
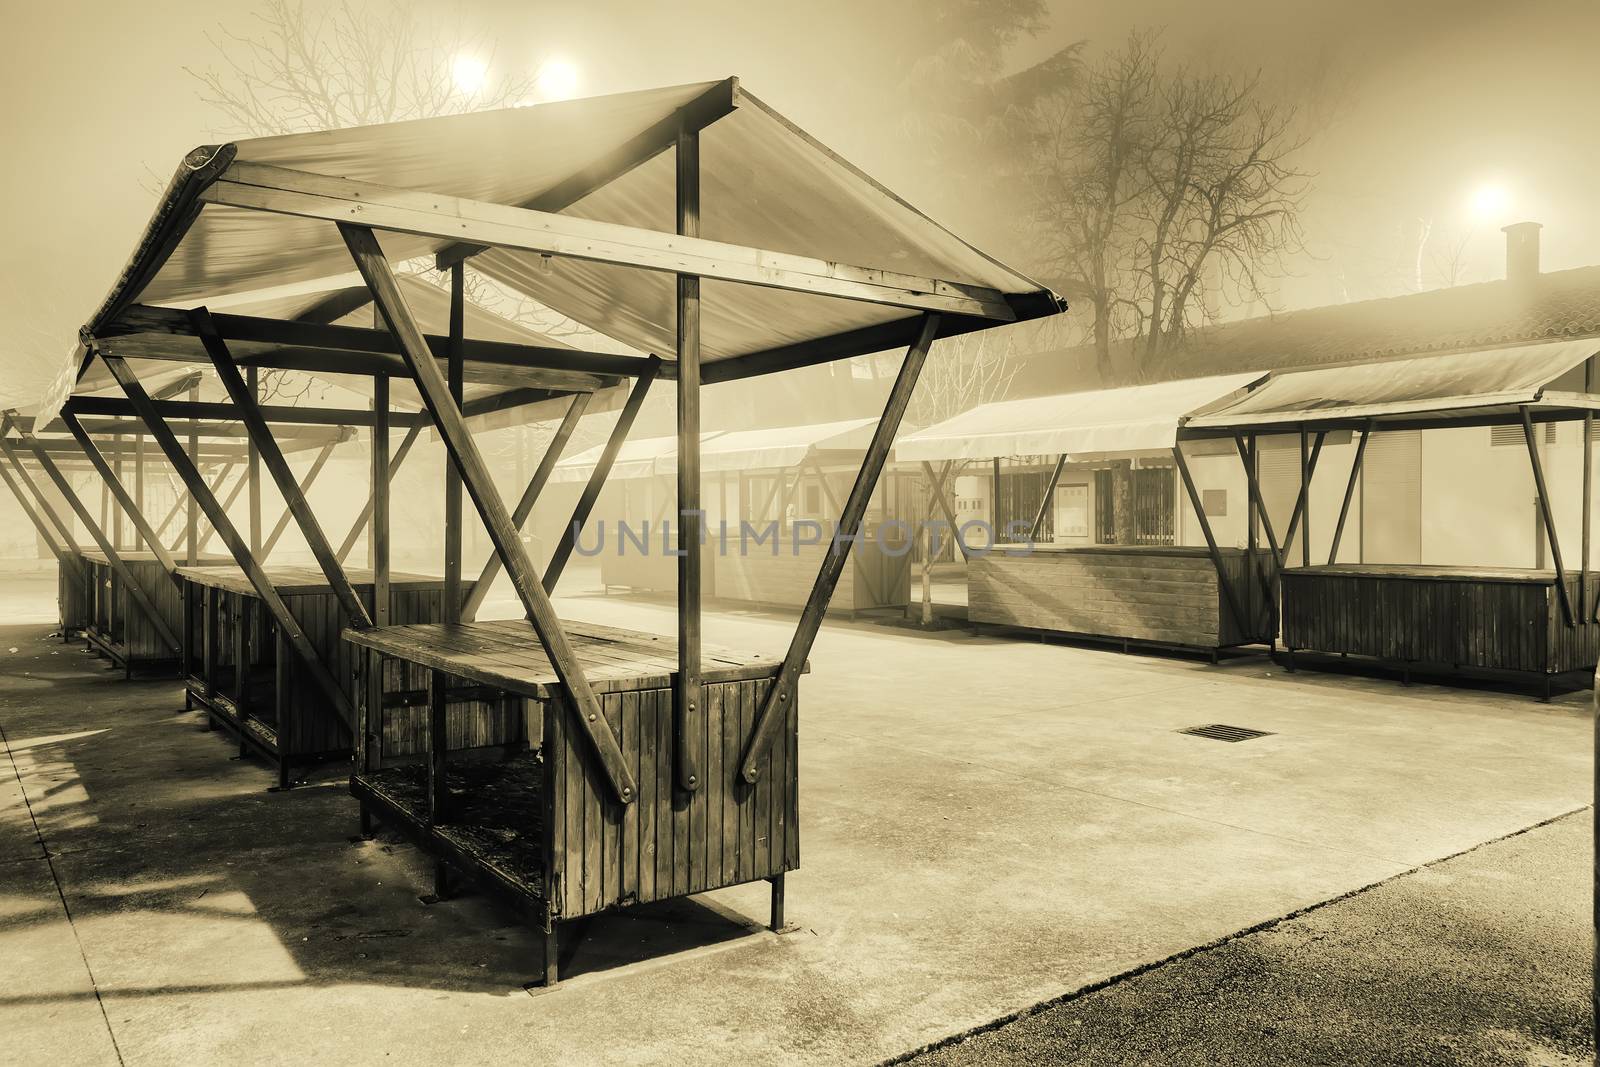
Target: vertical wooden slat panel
{"x": 714, "y": 786}
{"x": 611, "y": 813}
{"x": 665, "y": 797}
{"x": 733, "y": 740}
{"x": 573, "y": 775}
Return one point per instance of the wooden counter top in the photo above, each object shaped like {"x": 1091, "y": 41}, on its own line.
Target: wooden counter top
{"x": 1525, "y": 575}
{"x": 294, "y": 580}
{"x": 507, "y": 655}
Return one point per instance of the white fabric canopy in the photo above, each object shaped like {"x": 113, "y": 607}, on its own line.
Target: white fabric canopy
{"x": 642, "y": 458}
{"x": 1135, "y": 418}
{"x": 1482, "y": 381}
{"x": 780, "y": 446}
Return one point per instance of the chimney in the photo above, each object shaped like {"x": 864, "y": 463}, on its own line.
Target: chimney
{"x": 1522, "y": 251}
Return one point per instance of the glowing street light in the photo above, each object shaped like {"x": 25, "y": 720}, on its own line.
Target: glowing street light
{"x": 1490, "y": 204}
{"x": 557, "y": 80}
{"x": 469, "y": 73}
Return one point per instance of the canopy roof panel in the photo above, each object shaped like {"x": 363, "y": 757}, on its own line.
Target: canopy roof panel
{"x": 765, "y": 185}
{"x": 1136, "y": 418}
{"x": 724, "y": 450}
{"x": 1479, "y": 384}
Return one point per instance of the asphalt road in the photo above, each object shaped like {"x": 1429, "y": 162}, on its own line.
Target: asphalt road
{"x": 1483, "y": 958}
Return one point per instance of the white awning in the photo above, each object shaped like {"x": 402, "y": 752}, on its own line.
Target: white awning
{"x": 642, "y": 458}
{"x": 1484, "y": 382}
{"x": 781, "y": 446}
{"x": 1135, "y": 418}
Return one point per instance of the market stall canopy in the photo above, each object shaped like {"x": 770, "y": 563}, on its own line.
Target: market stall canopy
{"x": 1485, "y": 385}
{"x": 644, "y": 457}
{"x": 782, "y": 446}
{"x": 796, "y": 246}
{"x": 1135, "y": 418}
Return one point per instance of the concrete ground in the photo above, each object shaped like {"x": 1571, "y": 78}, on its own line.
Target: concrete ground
{"x": 1480, "y": 959}
{"x": 988, "y": 824}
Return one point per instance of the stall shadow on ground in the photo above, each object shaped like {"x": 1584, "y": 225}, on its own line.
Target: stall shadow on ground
{"x": 986, "y": 825}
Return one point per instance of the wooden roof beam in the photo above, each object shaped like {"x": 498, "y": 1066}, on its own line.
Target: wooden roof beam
{"x": 708, "y": 107}
{"x": 217, "y": 411}
{"x": 256, "y": 186}
{"x": 325, "y": 341}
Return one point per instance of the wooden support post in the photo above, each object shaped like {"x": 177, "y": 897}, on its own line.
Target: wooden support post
{"x": 305, "y": 485}
{"x": 1307, "y": 472}
{"x": 452, "y": 477}
{"x": 1588, "y": 496}
{"x": 115, "y": 514}
{"x": 69, "y": 540}
{"x": 118, "y": 567}
{"x": 1195, "y": 501}
{"x": 45, "y": 533}
{"x": 776, "y": 921}
{"x": 1258, "y": 506}
{"x": 227, "y": 507}
{"x": 378, "y": 539}
{"x": 530, "y": 496}
{"x": 1545, "y": 516}
{"x": 365, "y": 517}
{"x": 438, "y": 746}
{"x": 1048, "y": 495}
{"x": 264, "y": 449}
{"x": 168, "y": 443}
{"x": 994, "y": 510}
{"x": 191, "y": 529}
{"x": 1305, "y": 499}
{"x": 1349, "y": 492}
{"x": 689, "y": 696}
{"x": 138, "y": 478}
{"x": 240, "y": 615}
{"x": 597, "y": 477}
{"x": 252, "y": 455}
{"x": 120, "y": 492}
{"x": 936, "y": 484}
{"x": 282, "y": 683}
{"x": 774, "y": 710}
{"x": 208, "y": 644}
{"x": 435, "y": 391}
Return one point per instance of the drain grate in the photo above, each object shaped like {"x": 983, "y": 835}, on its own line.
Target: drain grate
{"x": 1218, "y": 732}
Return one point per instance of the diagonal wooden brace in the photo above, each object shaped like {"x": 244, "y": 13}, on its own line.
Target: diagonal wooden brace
{"x": 773, "y": 710}
{"x": 218, "y": 516}
{"x": 365, "y": 517}
{"x": 118, "y": 490}
{"x": 435, "y": 390}
{"x": 597, "y": 477}
{"x": 530, "y": 495}
{"x": 305, "y": 486}
{"x": 135, "y": 590}
{"x": 271, "y": 456}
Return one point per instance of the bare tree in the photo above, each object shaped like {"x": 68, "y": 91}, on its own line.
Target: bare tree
{"x": 1155, "y": 191}
{"x": 354, "y": 65}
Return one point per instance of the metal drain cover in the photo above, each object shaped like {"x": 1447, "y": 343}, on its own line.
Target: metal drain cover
{"x": 1218, "y": 732}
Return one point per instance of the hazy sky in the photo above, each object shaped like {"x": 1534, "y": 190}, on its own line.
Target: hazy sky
{"x": 1422, "y": 102}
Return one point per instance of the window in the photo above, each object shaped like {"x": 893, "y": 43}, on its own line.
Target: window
{"x": 1513, "y": 437}
{"x": 1214, "y": 502}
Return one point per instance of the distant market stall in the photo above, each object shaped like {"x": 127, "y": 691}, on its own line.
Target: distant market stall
{"x": 1158, "y": 582}
{"x": 771, "y": 494}
{"x": 646, "y": 767}
{"x": 1539, "y": 621}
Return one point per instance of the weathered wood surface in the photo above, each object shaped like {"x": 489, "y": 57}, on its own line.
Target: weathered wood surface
{"x": 1160, "y": 594}
{"x": 292, "y": 581}
{"x": 72, "y": 593}
{"x": 549, "y": 835}
{"x": 1488, "y": 618}
{"x": 113, "y": 620}
{"x": 503, "y": 654}
{"x": 289, "y": 716}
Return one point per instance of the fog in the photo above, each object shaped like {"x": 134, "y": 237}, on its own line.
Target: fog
{"x": 1409, "y": 109}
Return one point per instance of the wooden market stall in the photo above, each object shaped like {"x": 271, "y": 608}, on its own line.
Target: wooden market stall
{"x": 1173, "y": 594}
{"x": 766, "y": 252}
{"x": 770, "y": 497}
{"x": 115, "y": 594}
{"x": 1537, "y": 622}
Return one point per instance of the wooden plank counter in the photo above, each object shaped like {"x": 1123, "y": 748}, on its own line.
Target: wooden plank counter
{"x": 539, "y": 828}
{"x": 272, "y": 705}
{"x": 1496, "y": 619}
{"x": 108, "y": 616}
{"x": 1161, "y": 595}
